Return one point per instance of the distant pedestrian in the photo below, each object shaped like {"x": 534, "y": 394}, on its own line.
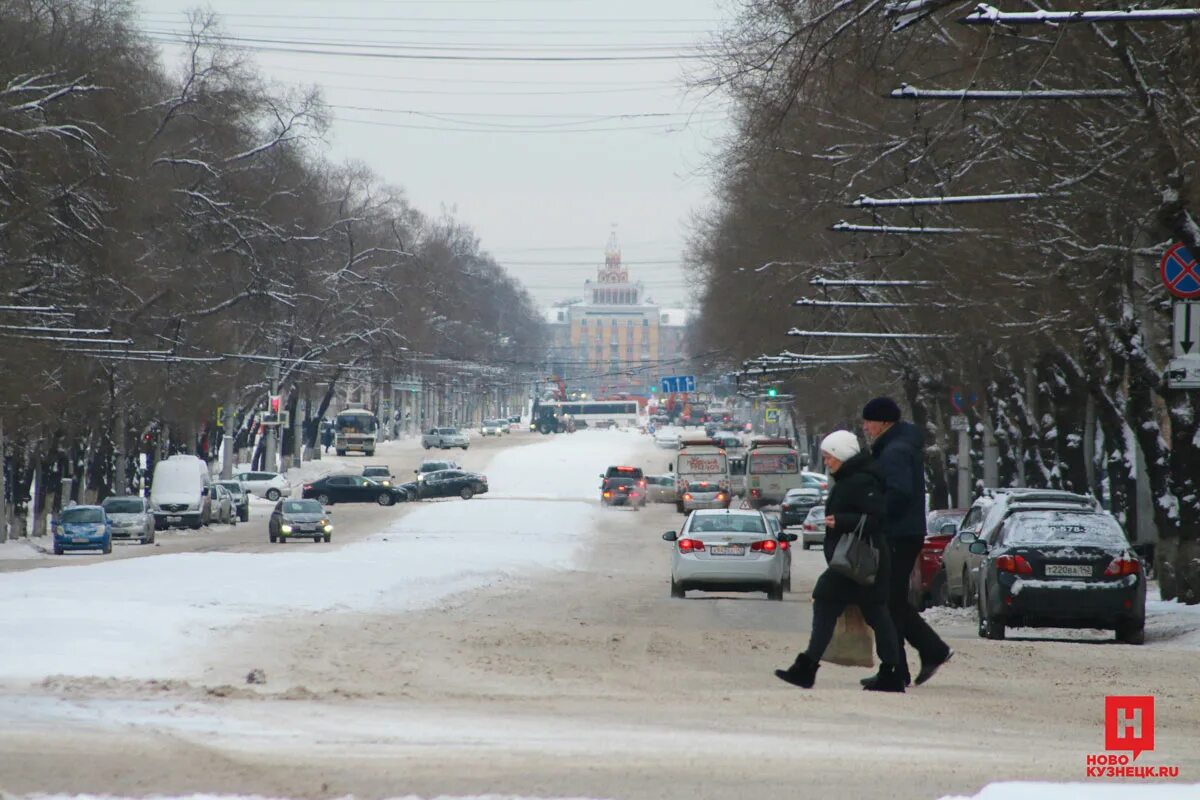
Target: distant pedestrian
{"x": 327, "y": 437}
{"x": 899, "y": 449}
{"x": 857, "y": 493}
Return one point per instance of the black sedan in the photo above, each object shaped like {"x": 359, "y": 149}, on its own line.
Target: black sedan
{"x": 352, "y": 489}
{"x": 451, "y": 483}
{"x": 796, "y": 505}
{"x": 1061, "y": 569}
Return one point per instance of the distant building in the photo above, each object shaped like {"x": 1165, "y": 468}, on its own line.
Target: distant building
{"x": 615, "y": 339}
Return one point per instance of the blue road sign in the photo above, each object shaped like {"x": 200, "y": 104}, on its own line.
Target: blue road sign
{"x": 679, "y": 383}
{"x": 1180, "y": 272}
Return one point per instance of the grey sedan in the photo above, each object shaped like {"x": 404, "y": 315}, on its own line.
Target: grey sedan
{"x": 299, "y": 519}
{"x": 131, "y": 517}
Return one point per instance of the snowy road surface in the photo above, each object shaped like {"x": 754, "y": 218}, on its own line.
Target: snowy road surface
{"x": 523, "y": 644}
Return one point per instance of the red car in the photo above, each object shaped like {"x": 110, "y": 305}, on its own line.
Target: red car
{"x": 927, "y": 583}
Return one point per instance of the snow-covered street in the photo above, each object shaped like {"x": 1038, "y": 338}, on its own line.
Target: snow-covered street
{"x": 522, "y": 644}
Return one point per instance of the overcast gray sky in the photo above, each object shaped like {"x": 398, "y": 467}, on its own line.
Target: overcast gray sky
{"x": 541, "y": 157}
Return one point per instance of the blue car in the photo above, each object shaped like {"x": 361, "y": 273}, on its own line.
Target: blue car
{"x": 82, "y": 528}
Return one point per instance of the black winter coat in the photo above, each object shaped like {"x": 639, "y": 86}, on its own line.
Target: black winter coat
{"x": 857, "y": 490}
{"x": 900, "y": 456}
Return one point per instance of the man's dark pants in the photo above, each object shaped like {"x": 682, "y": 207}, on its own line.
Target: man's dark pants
{"x": 911, "y": 627}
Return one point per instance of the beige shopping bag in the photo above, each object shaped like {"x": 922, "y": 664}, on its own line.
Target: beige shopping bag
{"x": 853, "y": 642}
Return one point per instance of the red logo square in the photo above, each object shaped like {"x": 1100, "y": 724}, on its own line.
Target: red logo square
{"x": 1129, "y": 723}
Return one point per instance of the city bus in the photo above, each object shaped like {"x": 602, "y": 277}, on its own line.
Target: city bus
{"x": 585, "y": 413}
{"x": 355, "y": 429}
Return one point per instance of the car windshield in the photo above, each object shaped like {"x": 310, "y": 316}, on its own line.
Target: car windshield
{"x": 124, "y": 505}
{"x": 447, "y": 431}
{"x": 85, "y": 515}
{"x": 302, "y": 507}
{"x": 370, "y": 471}
{"x": 435, "y": 466}
{"x": 728, "y": 523}
{"x": 1064, "y": 527}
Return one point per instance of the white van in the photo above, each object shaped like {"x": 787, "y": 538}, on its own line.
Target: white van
{"x": 700, "y": 460}
{"x": 181, "y": 493}
{"x": 772, "y": 467}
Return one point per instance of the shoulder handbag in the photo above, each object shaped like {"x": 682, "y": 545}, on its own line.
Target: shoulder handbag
{"x": 855, "y": 555}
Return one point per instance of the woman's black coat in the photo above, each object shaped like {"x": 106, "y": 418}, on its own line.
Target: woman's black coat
{"x": 857, "y": 490}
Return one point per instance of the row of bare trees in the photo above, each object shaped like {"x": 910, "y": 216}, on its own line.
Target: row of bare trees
{"x": 1055, "y": 164}
{"x": 167, "y": 235}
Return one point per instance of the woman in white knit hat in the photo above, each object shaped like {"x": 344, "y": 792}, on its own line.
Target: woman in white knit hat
{"x": 857, "y": 492}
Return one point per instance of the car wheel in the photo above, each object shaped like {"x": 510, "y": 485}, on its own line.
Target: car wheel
{"x": 677, "y": 589}
{"x": 775, "y": 592}
{"x": 937, "y": 592}
{"x": 58, "y": 551}
{"x": 385, "y": 499}
{"x": 989, "y": 627}
{"x": 316, "y": 540}
{"x": 787, "y": 582}
{"x": 244, "y": 514}
{"x": 148, "y": 539}
{"x": 370, "y": 453}
{"x": 341, "y": 452}
{"x": 108, "y": 548}
{"x": 968, "y": 593}
{"x": 1131, "y": 632}
{"x": 272, "y": 495}
{"x": 328, "y": 537}
{"x": 467, "y": 493}
{"x": 196, "y": 525}
{"x": 324, "y": 500}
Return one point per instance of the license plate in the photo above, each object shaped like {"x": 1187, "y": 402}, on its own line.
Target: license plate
{"x": 727, "y": 550}
{"x": 80, "y": 540}
{"x": 174, "y": 519}
{"x": 1069, "y": 570}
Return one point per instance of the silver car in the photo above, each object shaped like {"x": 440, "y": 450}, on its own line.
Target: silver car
{"x": 131, "y": 517}
{"x": 299, "y": 519}
{"x": 224, "y": 510}
{"x": 726, "y": 551}
{"x": 704, "y": 494}
{"x": 785, "y": 544}
{"x": 241, "y": 499}
{"x": 813, "y": 528}
{"x": 660, "y": 489}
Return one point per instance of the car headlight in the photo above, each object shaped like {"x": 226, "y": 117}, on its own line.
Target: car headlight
{"x": 328, "y": 529}
{"x": 285, "y": 528}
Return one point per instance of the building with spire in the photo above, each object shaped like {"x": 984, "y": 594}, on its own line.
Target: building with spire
{"x": 615, "y": 339}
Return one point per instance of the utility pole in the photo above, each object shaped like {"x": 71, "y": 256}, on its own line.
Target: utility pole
{"x": 227, "y": 439}
{"x": 3, "y": 490}
{"x": 269, "y": 444}
{"x": 964, "y": 467}
{"x": 301, "y": 408}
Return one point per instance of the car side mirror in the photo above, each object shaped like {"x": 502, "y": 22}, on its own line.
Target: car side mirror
{"x": 978, "y": 548}
{"x": 966, "y": 537}
{"x": 791, "y": 537}
{"x": 670, "y": 536}
{"x": 329, "y": 512}
{"x": 949, "y": 529}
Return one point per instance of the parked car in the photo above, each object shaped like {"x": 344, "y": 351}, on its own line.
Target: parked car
{"x": 927, "y": 582}
{"x": 131, "y": 517}
{"x": 622, "y": 492}
{"x": 1064, "y": 568}
{"x": 660, "y": 489}
{"x": 82, "y": 528}
{"x": 352, "y": 489}
{"x": 797, "y": 503}
{"x": 241, "y": 499}
{"x": 299, "y": 519}
{"x": 380, "y": 473}
{"x": 269, "y": 485}
{"x": 444, "y": 438}
{"x": 452, "y": 482}
{"x": 813, "y": 528}
{"x": 983, "y": 521}
{"x": 704, "y": 494}
{"x": 493, "y": 427}
{"x": 180, "y": 492}
{"x": 726, "y": 551}
{"x": 223, "y": 509}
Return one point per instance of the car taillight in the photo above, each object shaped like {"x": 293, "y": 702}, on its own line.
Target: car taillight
{"x": 687, "y": 496}
{"x": 1123, "y": 566}
{"x": 720, "y": 495}
{"x": 766, "y": 546}
{"x": 783, "y": 545}
{"x": 690, "y": 545}
{"x": 756, "y": 492}
{"x": 307, "y": 486}
{"x": 1014, "y": 564}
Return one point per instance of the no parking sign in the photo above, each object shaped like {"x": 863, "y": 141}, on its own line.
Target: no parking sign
{"x": 1180, "y": 272}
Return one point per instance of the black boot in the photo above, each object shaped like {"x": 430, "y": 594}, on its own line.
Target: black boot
{"x": 889, "y": 679}
{"x": 930, "y": 666}
{"x": 802, "y": 673}
{"x": 871, "y": 680}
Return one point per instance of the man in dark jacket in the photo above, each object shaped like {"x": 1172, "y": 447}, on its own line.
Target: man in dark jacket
{"x": 898, "y": 448}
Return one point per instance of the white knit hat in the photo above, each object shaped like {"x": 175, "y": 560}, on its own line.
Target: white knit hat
{"x": 842, "y": 445}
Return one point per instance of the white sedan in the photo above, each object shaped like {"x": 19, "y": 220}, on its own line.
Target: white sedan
{"x": 727, "y": 551}
{"x": 269, "y": 485}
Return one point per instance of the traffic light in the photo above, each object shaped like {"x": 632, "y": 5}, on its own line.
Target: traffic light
{"x": 772, "y": 392}
{"x": 276, "y": 403}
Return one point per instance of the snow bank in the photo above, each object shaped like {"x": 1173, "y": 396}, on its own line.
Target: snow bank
{"x": 20, "y": 550}
{"x": 1171, "y": 622}
{"x": 1021, "y": 790}
{"x": 567, "y": 466}
{"x": 146, "y": 616}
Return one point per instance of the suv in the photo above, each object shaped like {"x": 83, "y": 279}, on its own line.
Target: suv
{"x": 270, "y": 485}
{"x": 628, "y": 472}
{"x": 445, "y": 438}
{"x": 983, "y": 522}
{"x": 622, "y": 491}
{"x": 379, "y": 474}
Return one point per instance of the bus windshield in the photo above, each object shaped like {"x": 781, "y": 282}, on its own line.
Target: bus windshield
{"x": 356, "y": 422}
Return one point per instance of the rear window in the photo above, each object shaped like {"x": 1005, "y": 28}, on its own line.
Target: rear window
{"x": 124, "y": 505}
{"x": 816, "y": 512}
{"x": 613, "y": 482}
{"x": 728, "y": 523}
{"x": 369, "y": 471}
{"x": 447, "y": 431}
{"x": 702, "y": 486}
{"x": 84, "y": 515}
{"x": 936, "y": 521}
{"x": 1063, "y": 527}
{"x": 773, "y": 464}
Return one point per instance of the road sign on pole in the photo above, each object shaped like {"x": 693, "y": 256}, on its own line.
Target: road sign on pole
{"x": 673, "y": 384}
{"x": 1180, "y": 272}
{"x": 960, "y": 422}
{"x": 1187, "y": 327}
{"x": 772, "y": 415}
